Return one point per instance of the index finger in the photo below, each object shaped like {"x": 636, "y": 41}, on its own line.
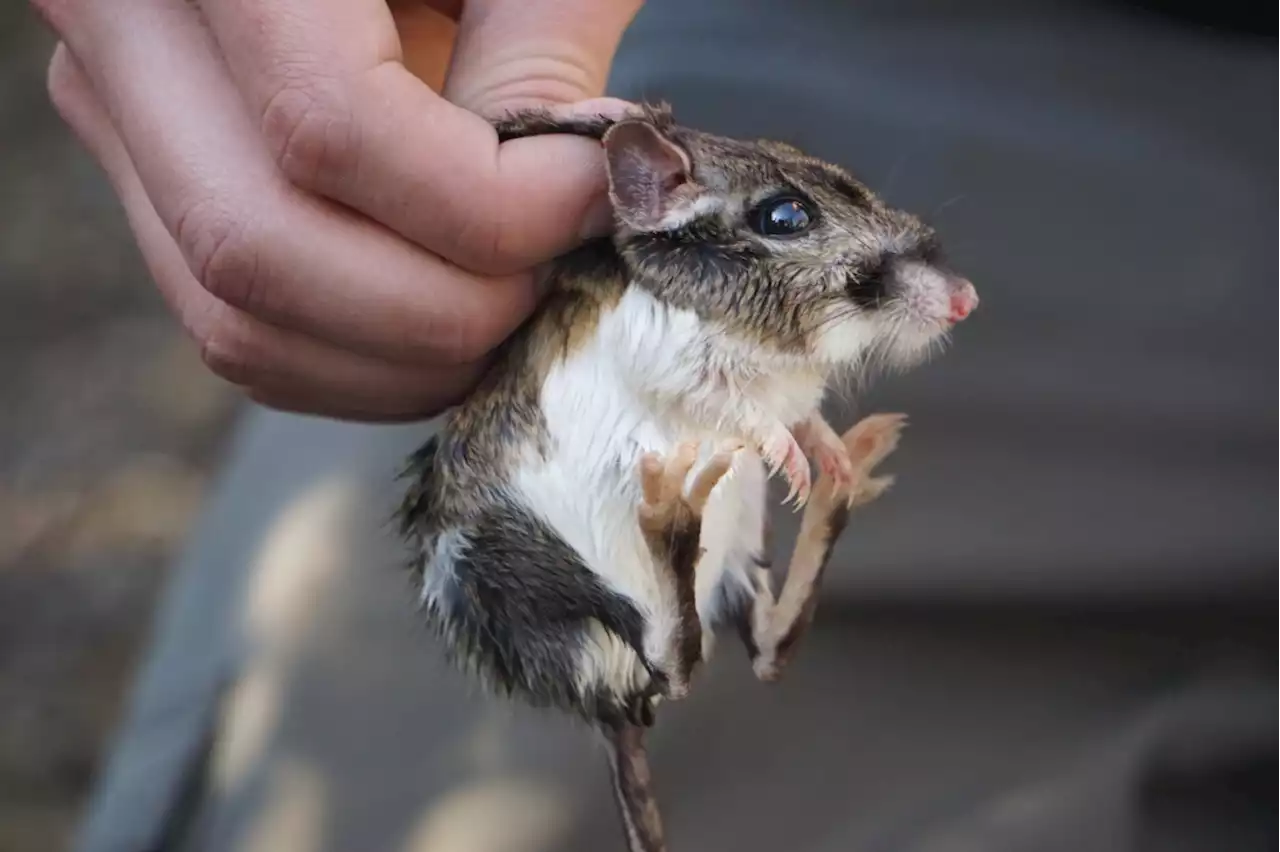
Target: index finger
{"x": 344, "y": 118}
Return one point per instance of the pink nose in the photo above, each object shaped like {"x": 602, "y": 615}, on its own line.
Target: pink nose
{"x": 964, "y": 299}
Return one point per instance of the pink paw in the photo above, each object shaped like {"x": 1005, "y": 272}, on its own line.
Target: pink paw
{"x": 783, "y": 453}
{"x": 873, "y": 438}
{"x": 833, "y": 459}
{"x": 823, "y": 445}
{"x": 837, "y": 466}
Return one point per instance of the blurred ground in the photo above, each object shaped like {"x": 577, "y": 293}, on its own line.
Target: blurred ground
{"x": 109, "y": 427}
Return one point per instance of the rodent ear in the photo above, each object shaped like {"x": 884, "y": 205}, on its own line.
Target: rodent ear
{"x": 650, "y": 177}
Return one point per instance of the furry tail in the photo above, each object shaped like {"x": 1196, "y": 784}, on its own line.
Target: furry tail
{"x": 633, "y": 787}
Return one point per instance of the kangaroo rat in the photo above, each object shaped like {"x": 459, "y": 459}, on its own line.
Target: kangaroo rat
{"x": 588, "y": 520}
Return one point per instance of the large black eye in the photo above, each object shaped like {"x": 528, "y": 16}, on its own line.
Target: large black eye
{"x": 783, "y": 217}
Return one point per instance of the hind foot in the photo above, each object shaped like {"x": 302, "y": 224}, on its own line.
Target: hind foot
{"x": 666, "y": 504}
{"x": 868, "y": 443}
{"x": 776, "y": 626}
{"x": 671, "y": 519}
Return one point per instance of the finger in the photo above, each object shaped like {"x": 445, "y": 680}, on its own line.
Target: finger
{"x": 253, "y": 240}
{"x": 325, "y": 81}
{"x": 514, "y": 55}
{"x": 313, "y": 377}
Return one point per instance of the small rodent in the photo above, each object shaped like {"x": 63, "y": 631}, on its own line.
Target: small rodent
{"x": 595, "y": 512}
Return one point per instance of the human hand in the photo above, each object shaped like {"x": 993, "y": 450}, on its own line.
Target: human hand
{"x": 337, "y": 237}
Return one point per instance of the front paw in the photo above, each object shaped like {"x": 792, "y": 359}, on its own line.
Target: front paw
{"x": 783, "y": 453}
{"x": 820, "y": 442}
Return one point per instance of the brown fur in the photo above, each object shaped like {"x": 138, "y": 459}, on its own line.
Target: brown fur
{"x": 633, "y": 788}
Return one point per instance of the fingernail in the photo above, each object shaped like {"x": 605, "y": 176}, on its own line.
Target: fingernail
{"x": 597, "y": 221}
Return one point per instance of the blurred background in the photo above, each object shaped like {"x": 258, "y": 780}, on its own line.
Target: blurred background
{"x": 111, "y": 432}
{"x": 109, "y": 428}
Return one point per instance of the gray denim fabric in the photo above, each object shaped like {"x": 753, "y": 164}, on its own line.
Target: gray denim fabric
{"x": 1053, "y": 634}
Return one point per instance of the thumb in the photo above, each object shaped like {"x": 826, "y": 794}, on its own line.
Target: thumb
{"x": 512, "y": 55}
{"x": 543, "y": 53}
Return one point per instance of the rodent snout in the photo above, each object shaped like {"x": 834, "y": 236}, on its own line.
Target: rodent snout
{"x": 964, "y": 298}
{"x": 936, "y": 294}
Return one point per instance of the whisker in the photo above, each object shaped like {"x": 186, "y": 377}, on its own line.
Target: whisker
{"x": 944, "y": 205}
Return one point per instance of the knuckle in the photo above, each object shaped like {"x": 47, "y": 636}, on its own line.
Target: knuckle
{"x": 221, "y": 252}
{"x": 553, "y": 77}
{"x": 310, "y": 131}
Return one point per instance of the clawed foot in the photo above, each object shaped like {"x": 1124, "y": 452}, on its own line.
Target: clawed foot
{"x": 783, "y": 453}
{"x": 845, "y": 461}
{"x": 663, "y": 481}
{"x": 820, "y": 442}
{"x": 867, "y": 444}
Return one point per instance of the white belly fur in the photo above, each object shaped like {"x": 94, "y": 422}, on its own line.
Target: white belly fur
{"x": 587, "y": 488}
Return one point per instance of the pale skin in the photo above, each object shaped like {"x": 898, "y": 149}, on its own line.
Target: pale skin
{"x": 315, "y": 188}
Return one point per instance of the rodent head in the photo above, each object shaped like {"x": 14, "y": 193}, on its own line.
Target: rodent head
{"x": 778, "y": 246}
